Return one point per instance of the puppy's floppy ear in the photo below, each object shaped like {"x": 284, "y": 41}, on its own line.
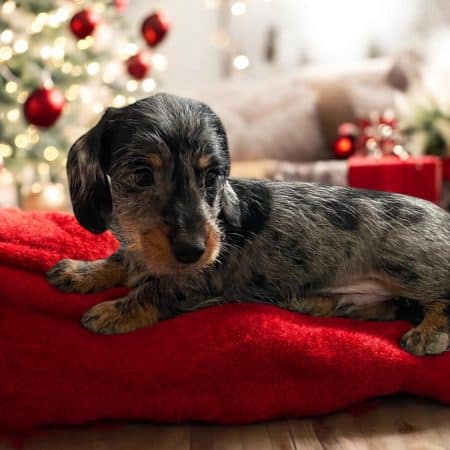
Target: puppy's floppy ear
{"x": 231, "y": 206}
{"x": 88, "y": 183}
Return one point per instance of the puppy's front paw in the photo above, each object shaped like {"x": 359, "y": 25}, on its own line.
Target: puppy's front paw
{"x": 420, "y": 342}
{"x": 70, "y": 275}
{"x": 117, "y": 316}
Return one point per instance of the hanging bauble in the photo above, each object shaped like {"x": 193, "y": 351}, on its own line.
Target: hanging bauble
{"x": 84, "y": 23}
{"x": 121, "y": 5}
{"x": 155, "y": 28}
{"x": 344, "y": 147}
{"x": 139, "y": 65}
{"x": 43, "y": 106}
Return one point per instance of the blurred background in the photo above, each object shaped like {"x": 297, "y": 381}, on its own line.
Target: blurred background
{"x": 301, "y": 85}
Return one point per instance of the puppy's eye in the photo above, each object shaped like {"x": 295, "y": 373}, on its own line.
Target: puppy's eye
{"x": 211, "y": 177}
{"x": 143, "y": 177}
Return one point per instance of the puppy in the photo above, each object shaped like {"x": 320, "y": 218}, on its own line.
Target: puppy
{"x": 156, "y": 173}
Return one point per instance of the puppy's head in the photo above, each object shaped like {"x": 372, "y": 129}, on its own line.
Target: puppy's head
{"x": 158, "y": 171}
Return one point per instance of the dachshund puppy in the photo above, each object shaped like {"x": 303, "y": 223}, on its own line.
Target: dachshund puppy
{"x": 156, "y": 173}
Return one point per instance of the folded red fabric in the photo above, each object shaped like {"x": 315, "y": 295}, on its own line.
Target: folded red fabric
{"x": 228, "y": 364}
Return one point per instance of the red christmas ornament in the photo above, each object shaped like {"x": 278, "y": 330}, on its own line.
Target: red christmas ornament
{"x": 43, "y": 107}
{"x": 83, "y": 23}
{"x": 139, "y": 65}
{"x": 121, "y": 5}
{"x": 344, "y": 147}
{"x": 155, "y": 28}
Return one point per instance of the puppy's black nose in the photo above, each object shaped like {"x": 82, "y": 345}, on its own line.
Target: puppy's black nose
{"x": 187, "y": 252}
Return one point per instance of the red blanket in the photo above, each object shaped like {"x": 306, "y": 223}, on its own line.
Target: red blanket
{"x": 227, "y": 364}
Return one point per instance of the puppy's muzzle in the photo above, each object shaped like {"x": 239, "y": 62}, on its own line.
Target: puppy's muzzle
{"x": 188, "y": 247}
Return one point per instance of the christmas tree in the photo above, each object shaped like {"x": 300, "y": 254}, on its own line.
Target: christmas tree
{"x": 61, "y": 64}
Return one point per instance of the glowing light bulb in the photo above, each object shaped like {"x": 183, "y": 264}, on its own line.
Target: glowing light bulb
{"x": 22, "y": 141}
{"x": 8, "y": 7}
{"x": 241, "y": 62}
{"x": 11, "y": 87}
{"x": 85, "y": 43}
{"x": 5, "y": 150}
{"x": 13, "y": 115}
{"x": 46, "y": 52}
{"x": 238, "y": 8}
{"x": 53, "y": 195}
{"x": 119, "y": 100}
{"x": 148, "y": 85}
{"x": 93, "y": 68}
{"x": 5, "y": 53}
{"x": 132, "y": 85}
{"x": 6, "y": 36}
{"x": 66, "y": 67}
{"x": 159, "y": 62}
{"x": 36, "y": 187}
{"x": 130, "y": 49}
{"x": 77, "y": 71}
{"x": 97, "y": 108}
{"x": 20, "y": 46}
{"x": 21, "y": 98}
{"x": 50, "y": 153}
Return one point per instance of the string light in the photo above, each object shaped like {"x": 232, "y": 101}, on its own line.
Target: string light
{"x": 131, "y": 100}
{"x": 53, "y": 21}
{"x": 119, "y": 100}
{"x": 93, "y": 68}
{"x": 22, "y": 141}
{"x": 97, "y": 108}
{"x": 21, "y": 98}
{"x": 238, "y": 8}
{"x": 132, "y": 85}
{"x": 33, "y": 134}
{"x": 66, "y": 67}
{"x": 85, "y": 43}
{"x": 11, "y": 87}
{"x": 241, "y": 62}
{"x": 6, "y": 36}
{"x": 5, "y": 53}
{"x": 45, "y": 52}
{"x": 53, "y": 195}
{"x": 77, "y": 71}
{"x": 36, "y": 27}
{"x": 13, "y": 115}
{"x": 148, "y": 85}
{"x": 36, "y": 187}
{"x": 159, "y": 62}
{"x": 20, "y": 46}
{"x": 62, "y": 14}
{"x": 50, "y": 153}
{"x": 72, "y": 92}
{"x": 8, "y": 7}
{"x": 128, "y": 50}
{"x": 5, "y": 150}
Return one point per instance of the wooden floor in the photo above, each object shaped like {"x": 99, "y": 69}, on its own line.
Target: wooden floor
{"x": 399, "y": 423}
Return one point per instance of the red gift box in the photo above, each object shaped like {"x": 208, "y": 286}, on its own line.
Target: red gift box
{"x": 416, "y": 176}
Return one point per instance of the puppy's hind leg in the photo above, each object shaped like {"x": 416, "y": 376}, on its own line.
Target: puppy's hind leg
{"x": 431, "y": 336}
{"x": 83, "y": 277}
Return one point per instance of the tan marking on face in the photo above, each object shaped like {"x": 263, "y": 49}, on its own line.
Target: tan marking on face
{"x": 157, "y": 251}
{"x": 155, "y": 161}
{"x": 155, "y": 248}
{"x": 204, "y": 161}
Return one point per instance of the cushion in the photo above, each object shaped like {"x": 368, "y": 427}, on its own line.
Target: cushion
{"x": 235, "y": 363}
